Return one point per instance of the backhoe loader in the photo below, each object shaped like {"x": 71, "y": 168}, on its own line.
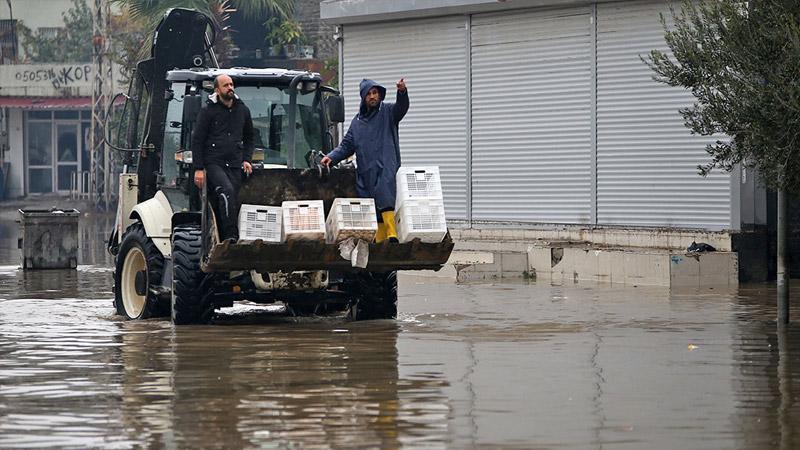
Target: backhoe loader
{"x": 169, "y": 260}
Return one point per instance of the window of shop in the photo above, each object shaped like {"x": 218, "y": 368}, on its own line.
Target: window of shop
{"x": 56, "y": 150}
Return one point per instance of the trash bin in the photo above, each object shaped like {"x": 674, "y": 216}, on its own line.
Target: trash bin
{"x": 49, "y": 238}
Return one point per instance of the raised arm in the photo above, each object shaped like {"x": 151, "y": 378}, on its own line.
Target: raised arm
{"x": 400, "y": 108}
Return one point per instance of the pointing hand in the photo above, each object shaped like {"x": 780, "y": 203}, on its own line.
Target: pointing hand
{"x": 401, "y": 85}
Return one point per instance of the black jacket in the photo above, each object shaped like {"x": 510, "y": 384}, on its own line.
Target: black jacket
{"x": 222, "y": 135}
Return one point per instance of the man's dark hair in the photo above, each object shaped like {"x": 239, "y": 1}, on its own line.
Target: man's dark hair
{"x": 216, "y": 81}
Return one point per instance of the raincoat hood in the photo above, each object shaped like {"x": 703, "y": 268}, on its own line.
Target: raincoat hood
{"x": 364, "y": 88}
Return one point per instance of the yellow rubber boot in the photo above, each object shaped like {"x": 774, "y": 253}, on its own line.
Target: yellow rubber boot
{"x": 380, "y": 235}
{"x": 391, "y": 227}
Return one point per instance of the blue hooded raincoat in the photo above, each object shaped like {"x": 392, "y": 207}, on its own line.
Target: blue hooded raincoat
{"x": 373, "y": 137}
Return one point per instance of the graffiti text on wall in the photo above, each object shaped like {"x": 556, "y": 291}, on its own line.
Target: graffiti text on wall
{"x": 60, "y": 77}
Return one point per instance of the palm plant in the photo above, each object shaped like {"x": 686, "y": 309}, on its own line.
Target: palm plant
{"x": 154, "y": 9}
{"x": 150, "y": 12}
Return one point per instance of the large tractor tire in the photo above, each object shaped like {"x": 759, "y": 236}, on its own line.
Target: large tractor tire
{"x": 139, "y": 268}
{"x": 188, "y": 305}
{"x": 375, "y": 296}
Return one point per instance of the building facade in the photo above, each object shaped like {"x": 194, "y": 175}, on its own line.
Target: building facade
{"x": 45, "y": 109}
{"x": 47, "y": 112}
{"x": 542, "y": 112}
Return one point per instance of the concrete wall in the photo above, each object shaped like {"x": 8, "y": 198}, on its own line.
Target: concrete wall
{"x": 51, "y": 80}
{"x": 48, "y": 80}
{"x": 643, "y": 238}
{"x": 614, "y": 255}
{"x": 37, "y": 13}
{"x": 571, "y": 262}
{"x": 321, "y": 33}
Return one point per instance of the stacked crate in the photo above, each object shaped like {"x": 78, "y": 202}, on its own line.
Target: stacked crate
{"x": 260, "y": 222}
{"x": 351, "y": 217}
{"x": 420, "y": 206}
{"x": 303, "y": 220}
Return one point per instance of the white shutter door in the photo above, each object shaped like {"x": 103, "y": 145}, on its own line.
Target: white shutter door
{"x": 531, "y": 116}
{"x": 646, "y": 158}
{"x": 430, "y": 54}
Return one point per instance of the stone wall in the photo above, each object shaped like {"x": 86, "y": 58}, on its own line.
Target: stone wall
{"x": 320, "y": 33}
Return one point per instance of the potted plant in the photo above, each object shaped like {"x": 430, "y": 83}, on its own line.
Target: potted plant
{"x": 283, "y": 35}
{"x": 271, "y": 38}
{"x": 306, "y": 50}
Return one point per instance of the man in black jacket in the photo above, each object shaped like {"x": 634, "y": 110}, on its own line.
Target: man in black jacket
{"x": 222, "y": 145}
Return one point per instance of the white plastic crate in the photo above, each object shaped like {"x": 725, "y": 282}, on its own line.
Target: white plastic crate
{"x": 423, "y": 219}
{"x": 417, "y": 183}
{"x": 352, "y": 217}
{"x": 260, "y": 222}
{"x": 303, "y": 220}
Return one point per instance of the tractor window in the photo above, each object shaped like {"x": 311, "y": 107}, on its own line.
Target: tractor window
{"x": 172, "y": 135}
{"x": 119, "y": 126}
{"x": 144, "y": 106}
{"x": 269, "y": 108}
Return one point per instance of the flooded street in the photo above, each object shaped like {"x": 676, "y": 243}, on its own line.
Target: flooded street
{"x": 489, "y": 365}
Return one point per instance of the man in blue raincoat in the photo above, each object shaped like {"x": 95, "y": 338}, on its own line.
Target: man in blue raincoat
{"x": 373, "y": 138}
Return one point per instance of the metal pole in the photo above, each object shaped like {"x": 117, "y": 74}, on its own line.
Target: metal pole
{"x": 102, "y": 164}
{"x": 109, "y": 190}
{"x": 784, "y": 375}
{"x": 468, "y": 111}
{"x": 14, "y": 50}
{"x": 783, "y": 263}
{"x": 340, "y": 44}
{"x": 211, "y": 52}
{"x": 96, "y": 131}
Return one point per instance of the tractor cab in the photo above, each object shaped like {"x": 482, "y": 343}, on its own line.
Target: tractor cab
{"x": 276, "y": 98}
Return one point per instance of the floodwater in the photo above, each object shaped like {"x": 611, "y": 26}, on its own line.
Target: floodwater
{"x": 512, "y": 365}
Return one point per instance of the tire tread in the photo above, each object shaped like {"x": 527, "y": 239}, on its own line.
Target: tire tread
{"x": 188, "y": 306}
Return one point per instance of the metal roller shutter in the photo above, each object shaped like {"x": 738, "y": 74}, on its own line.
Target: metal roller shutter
{"x": 531, "y": 116}
{"x": 646, "y": 158}
{"x": 430, "y": 54}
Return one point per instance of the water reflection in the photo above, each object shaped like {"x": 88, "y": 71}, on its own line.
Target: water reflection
{"x": 767, "y": 370}
{"x": 330, "y": 386}
{"x": 86, "y": 282}
{"x": 511, "y": 365}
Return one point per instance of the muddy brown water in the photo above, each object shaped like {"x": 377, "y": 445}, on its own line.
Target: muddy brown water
{"x": 483, "y": 365}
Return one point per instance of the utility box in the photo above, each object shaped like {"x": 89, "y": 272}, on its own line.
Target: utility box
{"x": 49, "y": 238}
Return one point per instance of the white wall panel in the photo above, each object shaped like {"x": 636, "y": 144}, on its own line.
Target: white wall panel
{"x": 531, "y": 116}
{"x": 430, "y": 55}
{"x": 646, "y": 158}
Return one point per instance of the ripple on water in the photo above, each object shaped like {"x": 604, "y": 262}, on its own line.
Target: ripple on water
{"x": 465, "y": 366}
